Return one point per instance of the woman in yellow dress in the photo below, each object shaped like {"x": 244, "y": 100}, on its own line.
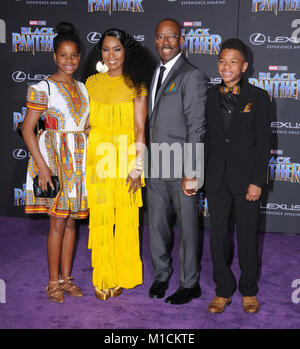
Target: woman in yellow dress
{"x": 115, "y": 159}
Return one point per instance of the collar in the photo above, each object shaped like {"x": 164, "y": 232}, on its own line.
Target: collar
{"x": 171, "y": 63}
{"x": 240, "y": 82}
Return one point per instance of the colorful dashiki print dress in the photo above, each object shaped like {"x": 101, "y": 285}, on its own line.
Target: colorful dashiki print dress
{"x": 63, "y": 145}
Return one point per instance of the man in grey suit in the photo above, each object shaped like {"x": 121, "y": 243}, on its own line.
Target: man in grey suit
{"x": 177, "y": 126}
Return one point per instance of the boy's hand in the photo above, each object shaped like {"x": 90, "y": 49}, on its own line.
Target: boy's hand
{"x": 253, "y": 193}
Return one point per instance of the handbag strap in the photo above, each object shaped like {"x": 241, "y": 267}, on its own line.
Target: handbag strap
{"x": 49, "y": 94}
{"x": 48, "y": 86}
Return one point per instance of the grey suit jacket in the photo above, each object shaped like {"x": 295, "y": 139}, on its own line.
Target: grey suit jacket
{"x": 177, "y": 124}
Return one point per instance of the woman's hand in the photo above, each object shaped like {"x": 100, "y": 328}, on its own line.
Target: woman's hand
{"x": 87, "y": 131}
{"x": 87, "y": 127}
{"x": 134, "y": 181}
{"x": 140, "y": 116}
{"x": 45, "y": 177}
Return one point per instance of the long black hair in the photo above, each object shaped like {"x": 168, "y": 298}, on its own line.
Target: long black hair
{"x": 138, "y": 64}
{"x": 66, "y": 32}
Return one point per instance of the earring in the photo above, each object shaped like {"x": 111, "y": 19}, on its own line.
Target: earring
{"x": 101, "y": 67}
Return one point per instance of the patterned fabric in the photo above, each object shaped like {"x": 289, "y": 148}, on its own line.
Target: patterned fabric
{"x": 36, "y": 100}
{"x": 63, "y": 145}
{"x": 171, "y": 88}
{"x": 234, "y": 89}
{"x": 248, "y": 108}
{"x": 76, "y": 102}
{"x": 114, "y": 213}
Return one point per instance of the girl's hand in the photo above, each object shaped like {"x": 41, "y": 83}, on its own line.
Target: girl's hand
{"x": 45, "y": 177}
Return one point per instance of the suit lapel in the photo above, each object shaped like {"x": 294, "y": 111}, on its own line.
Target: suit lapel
{"x": 241, "y": 102}
{"x": 151, "y": 89}
{"x": 242, "y": 98}
{"x": 176, "y": 66}
{"x": 219, "y": 114}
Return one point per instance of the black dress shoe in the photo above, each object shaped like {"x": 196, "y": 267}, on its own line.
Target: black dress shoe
{"x": 158, "y": 289}
{"x": 184, "y": 295}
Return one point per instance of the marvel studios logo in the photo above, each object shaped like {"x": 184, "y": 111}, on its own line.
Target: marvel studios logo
{"x": 192, "y": 24}
{"x": 276, "y": 151}
{"x": 37, "y": 22}
{"x": 278, "y": 67}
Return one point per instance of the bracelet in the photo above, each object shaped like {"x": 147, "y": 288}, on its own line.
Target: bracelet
{"x": 139, "y": 164}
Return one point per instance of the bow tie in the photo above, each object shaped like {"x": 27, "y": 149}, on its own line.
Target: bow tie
{"x": 234, "y": 89}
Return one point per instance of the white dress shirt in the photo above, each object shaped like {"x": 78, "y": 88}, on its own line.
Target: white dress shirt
{"x": 169, "y": 65}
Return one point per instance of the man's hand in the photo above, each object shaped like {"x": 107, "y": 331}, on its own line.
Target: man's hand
{"x": 253, "y": 193}
{"x": 189, "y": 186}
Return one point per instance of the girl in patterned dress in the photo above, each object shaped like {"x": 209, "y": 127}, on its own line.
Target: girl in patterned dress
{"x": 117, "y": 121}
{"x": 59, "y": 150}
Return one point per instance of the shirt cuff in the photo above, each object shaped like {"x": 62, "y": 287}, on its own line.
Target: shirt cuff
{"x": 257, "y": 184}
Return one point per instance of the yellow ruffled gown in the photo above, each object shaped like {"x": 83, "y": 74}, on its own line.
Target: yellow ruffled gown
{"x": 114, "y": 213}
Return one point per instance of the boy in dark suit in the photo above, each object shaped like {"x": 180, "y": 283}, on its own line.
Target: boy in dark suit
{"x": 237, "y": 152}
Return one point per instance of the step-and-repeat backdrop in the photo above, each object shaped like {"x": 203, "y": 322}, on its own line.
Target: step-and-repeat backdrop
{"x": 271, "y": 29}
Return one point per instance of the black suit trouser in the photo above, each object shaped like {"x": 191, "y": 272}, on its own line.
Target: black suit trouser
{"x": 246, "y": 218}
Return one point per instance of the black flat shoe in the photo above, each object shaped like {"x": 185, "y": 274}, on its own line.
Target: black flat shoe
{"x": 184, "y": 295}
{"x": 158, "y": 289}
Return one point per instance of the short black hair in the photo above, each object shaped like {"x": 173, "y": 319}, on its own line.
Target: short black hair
{"x": 66, "y": 32}
{"x": 235, "y": 44}
{"x": 168, "y": 20}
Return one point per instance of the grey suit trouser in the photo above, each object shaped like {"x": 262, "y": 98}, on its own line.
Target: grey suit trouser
{"x": 163, "y": 198}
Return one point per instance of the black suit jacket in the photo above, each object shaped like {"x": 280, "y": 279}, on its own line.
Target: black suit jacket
{"x": 244, "y": 149}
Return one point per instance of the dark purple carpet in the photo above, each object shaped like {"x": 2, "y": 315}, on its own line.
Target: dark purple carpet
{"x": 23, "y": 267}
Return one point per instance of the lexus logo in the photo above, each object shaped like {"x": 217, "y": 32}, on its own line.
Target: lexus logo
{"x": 93, "y": 37}
{"x": 18, "y": 76}
{"x": 139, "y": 37}
{"x": 257, "y": 39}
{"x": 19, "y": 154}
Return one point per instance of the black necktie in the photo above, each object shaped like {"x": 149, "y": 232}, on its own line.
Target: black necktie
{"x": 161, "y": 73}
